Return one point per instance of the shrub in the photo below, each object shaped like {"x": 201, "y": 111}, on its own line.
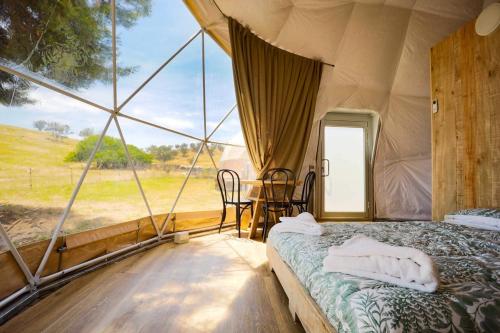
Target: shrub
{"x": 162, "y": 153}
{"x": 111, "y": 154}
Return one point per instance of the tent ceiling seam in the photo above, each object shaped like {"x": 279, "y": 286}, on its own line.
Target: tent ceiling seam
{"x": 284, "y": 49}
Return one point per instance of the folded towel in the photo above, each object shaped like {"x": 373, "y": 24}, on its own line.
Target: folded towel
{"x": 367, "y": 257}
{"x": 305, "y": 218}
{"x": 303, "y": 223}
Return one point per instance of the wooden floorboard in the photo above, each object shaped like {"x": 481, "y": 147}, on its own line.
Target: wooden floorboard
{"x": 215, "y": 283}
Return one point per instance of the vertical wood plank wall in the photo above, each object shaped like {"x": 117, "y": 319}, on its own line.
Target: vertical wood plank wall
{"x": 465, "y": 75}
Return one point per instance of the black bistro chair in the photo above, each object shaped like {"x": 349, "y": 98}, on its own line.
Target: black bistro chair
{"x": 229, "y": 186}
{"x": 302, "y": 204}
{"x": 278, "y": 185}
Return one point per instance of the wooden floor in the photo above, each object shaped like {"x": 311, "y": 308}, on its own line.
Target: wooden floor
{"x": 215, "y": 283}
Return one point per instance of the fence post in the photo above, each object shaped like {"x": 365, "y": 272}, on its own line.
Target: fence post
{"x": 31, "y": 180}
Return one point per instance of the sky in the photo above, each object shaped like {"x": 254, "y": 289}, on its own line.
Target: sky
{"x": 172, "y": 99}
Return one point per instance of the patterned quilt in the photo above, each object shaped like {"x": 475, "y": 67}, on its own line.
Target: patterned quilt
{"x": 468, "y": 299}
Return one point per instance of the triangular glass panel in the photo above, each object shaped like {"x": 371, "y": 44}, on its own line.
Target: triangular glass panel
{"x": 37, "y": 139}
{"x": 229, "y": 131}
{"x": 235, "y": 158}
{"x": 60, "y": 43}
{"x": 172, "y": 157}
{"x": 220, "y": 93}
{"x": 168, "y": 25}
{"x": 200, "y": 203}
{"x": 109, "y": 195}
{"x": 174, "y": 98}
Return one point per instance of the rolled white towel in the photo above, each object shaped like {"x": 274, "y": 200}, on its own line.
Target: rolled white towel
{"x": 367, "y": 257}
{"x": 305, "y": 218}
{"x": 303, "y": 223}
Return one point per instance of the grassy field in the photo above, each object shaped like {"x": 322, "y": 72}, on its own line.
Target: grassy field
{"x": 36, "y": 184}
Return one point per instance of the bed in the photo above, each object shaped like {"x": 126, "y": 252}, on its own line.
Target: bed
{"x": 468, "y": 299}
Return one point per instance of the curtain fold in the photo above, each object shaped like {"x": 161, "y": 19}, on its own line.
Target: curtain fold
{"x": 276, "y": 93}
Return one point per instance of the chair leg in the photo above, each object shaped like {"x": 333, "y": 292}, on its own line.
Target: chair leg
{"x": 223, "y": 218}
{"x": 266, "y": 221}
{"x": 238, "y": 219}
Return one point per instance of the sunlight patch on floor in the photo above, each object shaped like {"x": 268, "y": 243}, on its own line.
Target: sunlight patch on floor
{"x": 210, "y": 312}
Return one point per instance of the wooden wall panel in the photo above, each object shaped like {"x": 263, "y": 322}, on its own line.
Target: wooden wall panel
{"x": 465, "y": 74}
{"x": 94, "y": 243}
{"x": 12, "y": 278}
{"x": 32, "y": 255}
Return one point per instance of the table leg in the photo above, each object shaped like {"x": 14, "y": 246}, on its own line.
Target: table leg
{"x": 257, "y": 212}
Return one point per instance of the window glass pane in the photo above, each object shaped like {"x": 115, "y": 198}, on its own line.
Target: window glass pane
{"x": 174, "y": 98}
{"x": 66, "y": 43}
{"x": 172, "y": 158}
{"x": 230, "y": 130}
{"x": 167, "y": 25}
{"x": 219, "y": 83}
{"x": 38, "y": 174}
{"x": 345, "y": 185}
{"x": 109, "y": 194}
{"x": 201, "y": 194}
{"x": 236, "y": 158}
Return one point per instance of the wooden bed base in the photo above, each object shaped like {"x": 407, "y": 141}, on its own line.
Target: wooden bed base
{"x": 300, "y": 303}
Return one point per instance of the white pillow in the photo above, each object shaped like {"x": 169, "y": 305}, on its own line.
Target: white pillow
{"x": 482, "y": 218}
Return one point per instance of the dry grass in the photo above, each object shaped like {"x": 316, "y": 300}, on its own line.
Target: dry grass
{"x": 32, "y": 203}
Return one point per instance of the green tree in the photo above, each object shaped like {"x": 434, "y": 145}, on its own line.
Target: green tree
{"x": 111, "y": 154}
{"x": 86, "y": 132}
{"x": 183, "y": 148}
{"x": 59, "y": 131}
{"x": 212, "y": 147}
{"x": 195, "y": 146}
{"x": 162, "y": 153}
{"x": 68, "y": 41}
{"x": 40, "y": 124}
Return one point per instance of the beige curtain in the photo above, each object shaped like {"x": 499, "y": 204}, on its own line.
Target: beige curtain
{"x": 276, "y": 93}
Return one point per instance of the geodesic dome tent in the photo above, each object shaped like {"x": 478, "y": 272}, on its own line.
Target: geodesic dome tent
{"x": 112, "y": 140}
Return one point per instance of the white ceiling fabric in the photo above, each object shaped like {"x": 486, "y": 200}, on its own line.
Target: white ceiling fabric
{"x": 380, "y": 49}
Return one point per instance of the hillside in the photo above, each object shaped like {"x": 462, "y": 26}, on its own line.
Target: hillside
{"x": 25, "y": 148}
{"x": 30, "y": 148}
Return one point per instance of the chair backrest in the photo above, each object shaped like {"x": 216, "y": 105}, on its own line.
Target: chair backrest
{"x": 308, "y": 187}
{"x": 278, "y": 185}
{"x": 229, "y": 184}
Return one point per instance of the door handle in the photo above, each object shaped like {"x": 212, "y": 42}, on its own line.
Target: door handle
{"x": 323, "y": 168}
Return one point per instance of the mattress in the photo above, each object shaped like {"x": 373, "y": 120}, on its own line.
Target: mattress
{"x": 468, "y": 299}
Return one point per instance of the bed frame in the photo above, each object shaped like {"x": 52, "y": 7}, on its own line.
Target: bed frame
{"x": 301, "y": 304}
